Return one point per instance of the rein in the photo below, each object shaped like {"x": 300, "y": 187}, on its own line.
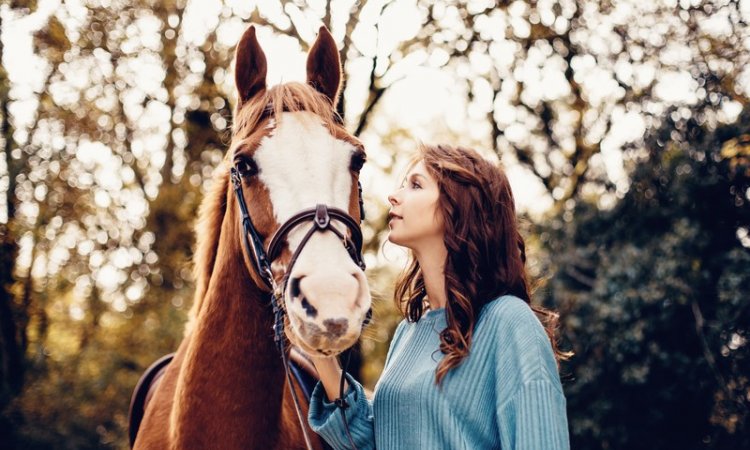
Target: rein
{"x": 320, "y": 216}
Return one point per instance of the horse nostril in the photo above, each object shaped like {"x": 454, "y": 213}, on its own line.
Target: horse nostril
{"x": 309, "y": 309}
{"x": 294, "y": 287}
{"x": 368, "y": 318}
{"x": 336, "y": 327}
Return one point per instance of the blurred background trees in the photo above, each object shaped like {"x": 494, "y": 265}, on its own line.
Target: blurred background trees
{"x": 624, "y": 127}
{"x": 654, "y": 296}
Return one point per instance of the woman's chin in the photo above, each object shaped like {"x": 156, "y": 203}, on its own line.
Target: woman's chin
{"x": 394, "y": 239}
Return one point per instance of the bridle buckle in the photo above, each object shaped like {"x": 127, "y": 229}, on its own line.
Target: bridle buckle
{"x": 322, "y": 219}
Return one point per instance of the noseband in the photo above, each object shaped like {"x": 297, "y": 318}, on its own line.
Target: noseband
{"x": 320, "y": 216}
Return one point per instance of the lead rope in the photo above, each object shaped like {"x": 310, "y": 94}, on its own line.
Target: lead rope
{"x": 341, "y": 403}
{"x": 278, "y": 338}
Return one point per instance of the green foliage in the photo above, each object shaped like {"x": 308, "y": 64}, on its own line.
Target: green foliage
{"x": 654, "y": 298}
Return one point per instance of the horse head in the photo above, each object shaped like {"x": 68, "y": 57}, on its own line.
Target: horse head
{"x": 291, "y": 154}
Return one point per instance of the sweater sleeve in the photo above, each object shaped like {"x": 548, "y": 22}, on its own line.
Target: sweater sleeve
{"x": 535, "y": 418}
{"x": 326, "y": 419}
{"x": 531, "y": 407}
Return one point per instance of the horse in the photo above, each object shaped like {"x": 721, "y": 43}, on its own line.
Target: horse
{"x": 280, "y": 222}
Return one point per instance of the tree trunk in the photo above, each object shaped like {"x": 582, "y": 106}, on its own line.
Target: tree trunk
{"x": 11, "y": 354}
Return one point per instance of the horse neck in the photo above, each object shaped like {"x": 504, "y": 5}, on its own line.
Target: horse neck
{"x": 231, "y": 360}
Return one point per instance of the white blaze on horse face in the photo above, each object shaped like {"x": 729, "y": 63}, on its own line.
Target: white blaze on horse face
{"x": 302, "y": 165}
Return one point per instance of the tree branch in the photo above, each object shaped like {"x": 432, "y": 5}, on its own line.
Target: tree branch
{"x": 699, "y": 323}
{"x": 170, "y": 83}
{"x": 256, "y": 18}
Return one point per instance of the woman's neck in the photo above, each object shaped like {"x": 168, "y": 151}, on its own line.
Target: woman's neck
{"x": 431, "y": 259}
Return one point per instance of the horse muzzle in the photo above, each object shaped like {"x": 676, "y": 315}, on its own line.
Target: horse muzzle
{"x": 327, "y": 338}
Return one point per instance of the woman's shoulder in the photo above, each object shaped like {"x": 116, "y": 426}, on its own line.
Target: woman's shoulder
{"x": 508, "y": 310}
{"x": 511, "y": 319}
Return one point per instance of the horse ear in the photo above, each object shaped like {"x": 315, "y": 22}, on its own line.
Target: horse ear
{"x": 250, "y": 67}
{"x": 324, "y": 66}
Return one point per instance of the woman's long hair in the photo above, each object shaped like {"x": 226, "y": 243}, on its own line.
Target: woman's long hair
{"x": 486, "y": 253}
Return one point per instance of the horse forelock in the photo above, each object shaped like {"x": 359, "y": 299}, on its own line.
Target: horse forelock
{"x": 288, "y": 97}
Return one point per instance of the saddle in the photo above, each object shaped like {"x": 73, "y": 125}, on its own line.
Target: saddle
{"x": 302, "y": 369}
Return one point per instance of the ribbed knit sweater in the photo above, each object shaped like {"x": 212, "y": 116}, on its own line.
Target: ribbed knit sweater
{"x": 506, "y": 394}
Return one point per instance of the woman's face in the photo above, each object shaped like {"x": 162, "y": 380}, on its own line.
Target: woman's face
{"x": 414, "y": 219}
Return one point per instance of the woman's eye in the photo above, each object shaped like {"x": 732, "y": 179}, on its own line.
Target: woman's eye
{"x": 246, "y": 167}
{"x": 415, "y": 185}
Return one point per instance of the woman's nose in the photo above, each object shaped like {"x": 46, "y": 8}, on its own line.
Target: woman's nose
{"x": 392, "y": 199}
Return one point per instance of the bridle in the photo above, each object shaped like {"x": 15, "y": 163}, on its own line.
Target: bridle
{"x": 321, "y": 217}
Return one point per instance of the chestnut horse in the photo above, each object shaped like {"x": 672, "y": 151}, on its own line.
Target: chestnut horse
{"x": 225, "y": 388}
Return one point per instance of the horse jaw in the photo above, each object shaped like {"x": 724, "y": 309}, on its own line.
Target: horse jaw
{"x": 301, "y": 164}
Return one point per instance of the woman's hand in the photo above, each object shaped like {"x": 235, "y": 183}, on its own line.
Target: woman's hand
{"x": 329, "y": 372}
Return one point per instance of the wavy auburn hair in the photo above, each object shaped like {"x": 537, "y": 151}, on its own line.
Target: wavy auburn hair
{"x": 486, "y": 253}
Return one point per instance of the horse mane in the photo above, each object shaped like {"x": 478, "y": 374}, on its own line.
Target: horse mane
{"x": 288, "y": 97}
{"x": 208, "y": 230}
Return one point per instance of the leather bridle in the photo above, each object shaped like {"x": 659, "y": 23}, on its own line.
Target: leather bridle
{"x": 322, "y": 217}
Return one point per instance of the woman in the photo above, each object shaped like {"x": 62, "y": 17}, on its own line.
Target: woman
{"x": 471, "y": 366}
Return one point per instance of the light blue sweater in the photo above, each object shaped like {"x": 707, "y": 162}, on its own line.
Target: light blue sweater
{"x": 506, "y": 394}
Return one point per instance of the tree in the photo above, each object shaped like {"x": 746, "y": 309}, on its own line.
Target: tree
{"x": 557, "y": 81}
{"x": 653, "y": 296}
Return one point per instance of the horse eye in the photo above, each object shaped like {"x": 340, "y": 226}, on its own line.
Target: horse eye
{"x": 246, "y": 166}
{"x": 358, "y": 160}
